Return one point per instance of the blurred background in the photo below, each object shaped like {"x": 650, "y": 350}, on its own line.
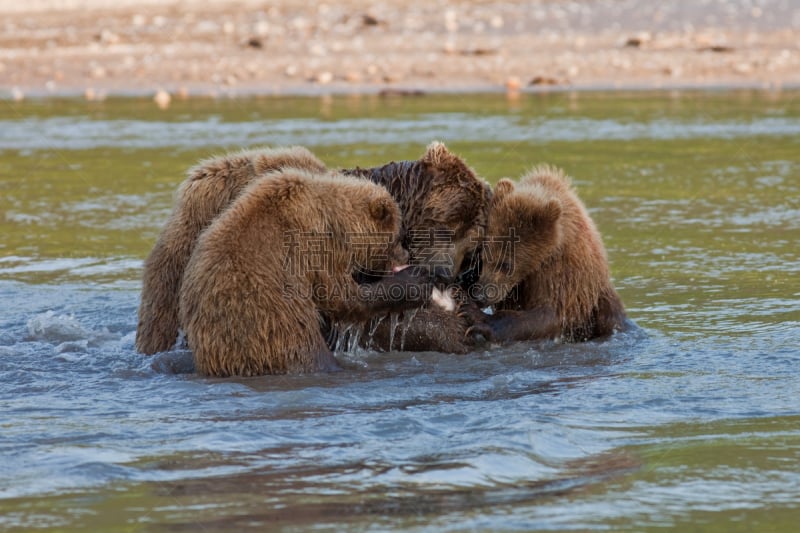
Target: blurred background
{"x": 178, "y": 48}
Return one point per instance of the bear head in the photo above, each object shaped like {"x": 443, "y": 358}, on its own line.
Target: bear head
{"x": 445, "y": 230}
{"x": 375, "y": 242}
{"x": 523, "y": 233}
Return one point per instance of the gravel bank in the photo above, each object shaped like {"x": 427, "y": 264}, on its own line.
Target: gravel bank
{"x": 99, "y": 48}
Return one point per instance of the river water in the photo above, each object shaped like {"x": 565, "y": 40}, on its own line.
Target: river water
{"x": 691, "y": 420}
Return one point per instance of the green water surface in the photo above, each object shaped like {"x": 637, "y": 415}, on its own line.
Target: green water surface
{"x": 703, "y": 237}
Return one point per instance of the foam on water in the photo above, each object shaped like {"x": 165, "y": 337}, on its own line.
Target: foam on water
{"x": 73, "y": 267}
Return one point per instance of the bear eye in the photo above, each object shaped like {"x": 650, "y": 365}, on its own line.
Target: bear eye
{"x": 506, "y": 268}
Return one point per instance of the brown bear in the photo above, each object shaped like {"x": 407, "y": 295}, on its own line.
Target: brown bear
{"x": 545, "y": 269}
{"x": 281, "y": 259}
{"x": 444, "y": 208}
{"x": 209, "y": 188}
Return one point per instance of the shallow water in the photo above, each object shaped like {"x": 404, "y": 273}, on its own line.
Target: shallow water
{"x": 690, "y": 420}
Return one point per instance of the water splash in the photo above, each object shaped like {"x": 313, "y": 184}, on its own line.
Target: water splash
{"x": 394, "y": 321}
{"x": 408, "y": 318}
{"x": 50, "y": 327}
{"x": 348, "y": 337}
{"x": 340, "y": 331}
{"x": 66, "y": 332}
{"x": 353, "y": 342}
{"x": 373, "y": 327}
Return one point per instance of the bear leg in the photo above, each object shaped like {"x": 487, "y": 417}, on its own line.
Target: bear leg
{"x": 325, "y": 361}
{"x": 530, "y": 324}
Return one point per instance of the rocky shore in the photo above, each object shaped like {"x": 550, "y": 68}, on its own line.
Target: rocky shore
{"x": 172, "y": 48}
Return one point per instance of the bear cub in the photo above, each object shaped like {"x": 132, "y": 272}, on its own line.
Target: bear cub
{"x": 545, "y": 270}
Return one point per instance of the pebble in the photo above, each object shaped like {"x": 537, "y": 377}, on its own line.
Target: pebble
{"x": 261, "y": 28}
{"x": 352, "y": 76}
{"x": 513, "y": 83}
{"x": 254, "y": 42}
{"x": 93, "y": 95}
{"x": 324, "y": 77}
{"x": 369, "y": 20}
{"x": 639, "y": 39}
{"x": 543, "y": 80}
{"x": 162, "y": 99}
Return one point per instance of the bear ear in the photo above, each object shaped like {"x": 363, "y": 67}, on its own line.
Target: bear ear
{"x": 437, "y": 154}
{"x": 502, "y": 188}
{"x": 382, "y": 208}
{"x": 538, "y": 216}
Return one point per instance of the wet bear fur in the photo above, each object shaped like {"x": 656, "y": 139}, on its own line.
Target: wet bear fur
{"x": 445, "y": 208}
{"x": 209, "y": 188}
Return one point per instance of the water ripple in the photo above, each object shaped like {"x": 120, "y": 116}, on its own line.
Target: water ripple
{"x": 70, "y": 133}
